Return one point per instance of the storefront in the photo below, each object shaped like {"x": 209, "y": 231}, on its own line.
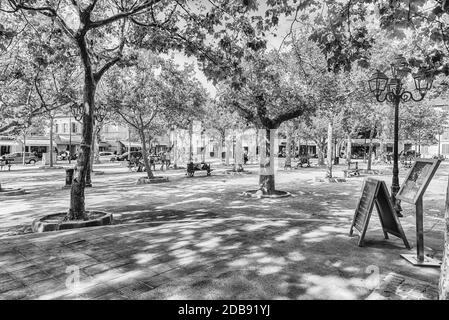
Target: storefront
{"x": 68, "y": 143}
{"x": 9, "y": 145}
{"x": 37, "y": 145}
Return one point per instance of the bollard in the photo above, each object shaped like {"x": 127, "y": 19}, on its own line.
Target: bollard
{"x": 68, "y": 177}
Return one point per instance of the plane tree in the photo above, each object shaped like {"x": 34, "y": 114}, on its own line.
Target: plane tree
{"x": 149, "y": 95}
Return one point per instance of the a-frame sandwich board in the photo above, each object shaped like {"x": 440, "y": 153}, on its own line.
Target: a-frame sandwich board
{"x": 375, "y": 192}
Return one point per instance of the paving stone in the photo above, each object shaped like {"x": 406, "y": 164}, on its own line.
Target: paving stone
{"x": 16, "y": 266}
{"x": 111, "y": 296}
{"x": 47, "y": 286}
{"x": 156, "y": 281}
{"x": 96, "y": 291}
{"x": 119, "y": 262}
{"x": 134, "y": 290}
{"x": 35, "y": 277}
{"x": 5, "y": 277}
{"x": 17, "y": 293}
{"x": 96, "y": 268}
{"x": 25, "y": 272}
{"x": 11, "y": 285}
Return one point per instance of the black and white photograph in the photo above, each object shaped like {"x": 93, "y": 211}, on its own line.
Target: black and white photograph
{"x": 225, "y": 154}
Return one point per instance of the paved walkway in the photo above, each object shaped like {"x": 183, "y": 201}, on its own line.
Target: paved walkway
{"x": 207, "y": 259}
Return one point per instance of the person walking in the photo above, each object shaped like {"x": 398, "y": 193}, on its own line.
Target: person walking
{"x": 163, "y": 160}
{"x": 167, "y": 159}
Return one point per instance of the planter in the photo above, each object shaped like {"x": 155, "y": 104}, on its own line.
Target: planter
{"x": 53, "y": 222}
{"x": 11, "y": 192}
{"x": 258, "y": 194}
{"x": 146, "y": 180}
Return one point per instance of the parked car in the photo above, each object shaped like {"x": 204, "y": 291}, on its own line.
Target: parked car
{"x": 105, "y": 153}
{"x": 124, "y": 156}
{"x": 17, "y": 157}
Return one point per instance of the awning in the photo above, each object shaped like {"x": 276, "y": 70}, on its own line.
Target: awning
{"x": 133, "y": 144}
{"x": 8, "y": 142}
{"x": 75, "y": 139}
{"x": 37, "y": 142}
{"x": 104, "y": 144}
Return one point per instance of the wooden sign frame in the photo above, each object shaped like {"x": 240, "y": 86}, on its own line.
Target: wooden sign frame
{"x": 419, "y": 259}
{"x": 435, "y": 163}
{"x": 380, "y": 197}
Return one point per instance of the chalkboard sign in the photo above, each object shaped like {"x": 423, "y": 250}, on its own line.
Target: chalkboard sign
{"x": 375, "y": 192}
{"x": 417, "y": 180}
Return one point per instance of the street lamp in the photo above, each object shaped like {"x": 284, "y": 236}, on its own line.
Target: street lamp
{"x": 395, "y": 93}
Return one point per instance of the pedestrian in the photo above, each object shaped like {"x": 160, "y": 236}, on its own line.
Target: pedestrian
{"x": 167, "y": 159}
{"x": 152, "y": 164}
{"x": 163, "y": 160}
{"x": 245, "y": 158}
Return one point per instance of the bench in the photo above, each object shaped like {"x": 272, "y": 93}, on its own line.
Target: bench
{"x": 303, "y": 160}
{"x": 352, "y": 171}
{"x": 201, "y": 166}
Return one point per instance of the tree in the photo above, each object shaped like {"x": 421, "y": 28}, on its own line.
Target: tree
{"x": 149, "y": 102}
{"x": 420, "y": 123}
{"x": 267, "y": 94}
{"x": 220, "y": 122}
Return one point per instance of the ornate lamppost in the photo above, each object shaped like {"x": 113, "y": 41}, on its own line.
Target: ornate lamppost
{"x": 395, "y": 93}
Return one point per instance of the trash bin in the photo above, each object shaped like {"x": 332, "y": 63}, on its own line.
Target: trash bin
{"x": 69, "y": 176}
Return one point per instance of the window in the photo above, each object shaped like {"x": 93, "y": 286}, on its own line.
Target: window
{"x": 73, "y": 127}
{"x": 445, "y": 148}
{"x": 56, "y": 128}
{"x": 64, "y": 129}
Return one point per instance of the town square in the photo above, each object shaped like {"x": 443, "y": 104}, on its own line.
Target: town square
{"x": 224, "y": 150}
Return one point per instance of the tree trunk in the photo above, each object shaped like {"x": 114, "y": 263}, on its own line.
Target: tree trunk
{"x": 266, "y": 176}
{"x": 146, "y": 162}
{"x": 238, "y": 155}
{"x": 77, "y": 200}
{"x": 444, "y": 276}
{"x": 349, "y": 149}
{"x": 97, "y": 145}
{"x": 51, "y": 141}
{"x": 330, "y": 130}
{"x": 175, "y": 148}
{"x": 288, "y": 148}
{"x": 191, "y": 142}
{"x": 24, "y": 148}
{"x": 228, "y": 143}
{"x": 320, "y": 154}
{"x": 220, "y": 148}
{"x": 370, "y": 150}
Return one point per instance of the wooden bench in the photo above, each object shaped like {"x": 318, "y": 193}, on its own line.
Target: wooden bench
{"x": 201, "y": 166}
{"x": 303, "y": 160}
{"x": 352, "y": 171}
